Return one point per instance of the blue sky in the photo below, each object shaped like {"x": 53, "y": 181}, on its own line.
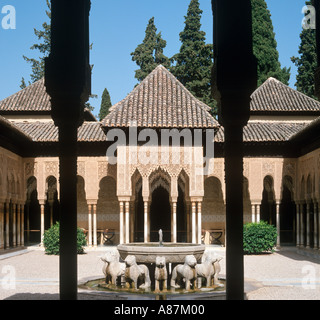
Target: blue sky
{"x": 117, "y": 27}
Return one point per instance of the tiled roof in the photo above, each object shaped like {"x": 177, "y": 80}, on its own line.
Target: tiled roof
{"x": 160, "y": 100}
{"x": 31, "y": 98}
{"x": 48, "y": 132}
{"x": 274, "y": 96}
{"x": 10, "y": 127}
{"x": 266, "y": 131}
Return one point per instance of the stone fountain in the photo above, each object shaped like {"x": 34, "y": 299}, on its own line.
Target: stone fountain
{"x": 161, "y": 269}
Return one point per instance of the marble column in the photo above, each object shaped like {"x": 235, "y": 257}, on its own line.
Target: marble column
{"x": 132, "y": 221}
{"x": 22, "y": 223}
{"x": 174, "y": 222}
{"x": 41, "y": 222}
{"x": 193, "y": 223}
{"x": 18, "y": 223}
{"x": 95, "y": 241}
{"x": 2, "y": 225}
{"x": 188, "y": 206}
{"x": 315, "y": 226}
{"x": 302, "y": 234}
{"x": 308, "y": 225}
{"x": 298, "y": 225}
{"x": 278, "y": 223}
{"x": 14, "y": 224}
{"x": 258, "y": 213}
{"x": 199, "y": 222}
{"x": 89, "y": 225}
{"x": 7, "y": 224}
{"x": 146, "y": 222}
{"x": 121, "y": 223}
{"x": 127, "y": 208}
{"x": 253, "y": 213}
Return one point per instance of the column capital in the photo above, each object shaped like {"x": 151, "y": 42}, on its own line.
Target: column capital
{"x": 196, "y": 199}
{"x": 124, "y": 199}
{"x": 92, "y": 202}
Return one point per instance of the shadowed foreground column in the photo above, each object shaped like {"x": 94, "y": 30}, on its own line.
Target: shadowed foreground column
{"x": 67, "y": 80}
{"x": 233, "y": 81}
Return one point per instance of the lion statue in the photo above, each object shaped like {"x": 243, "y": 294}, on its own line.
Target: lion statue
{"x": 113, "y": 269}
{"x": 209, "y": 270}
{"x": 136, "y": 275}
{"x": 185, "y": 273}
{"x": 160, "y": 274}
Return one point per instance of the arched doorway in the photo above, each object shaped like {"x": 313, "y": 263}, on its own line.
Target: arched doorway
{"x": 287, "y": 213}
{"x": 52, "y": 207}
{"x": 160, "y": 215}
{"x": 268, "y": 204}
{"x": 32, "y": 213}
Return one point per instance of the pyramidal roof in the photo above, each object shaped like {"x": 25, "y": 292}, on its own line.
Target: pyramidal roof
{"x": 31, "y": 98}
{"x": 274, "y": 96}
{"x": 160, "y": 101}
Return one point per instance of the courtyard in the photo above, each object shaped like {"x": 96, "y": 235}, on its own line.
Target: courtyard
{"x": 282, "y": 275}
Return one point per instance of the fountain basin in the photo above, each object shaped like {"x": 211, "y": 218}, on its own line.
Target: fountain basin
{"x": 173, "y": 252}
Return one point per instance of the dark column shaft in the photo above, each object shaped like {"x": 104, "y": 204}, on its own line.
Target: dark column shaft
{"x": 234, "y": 212}
{"x": 68, "y": 212}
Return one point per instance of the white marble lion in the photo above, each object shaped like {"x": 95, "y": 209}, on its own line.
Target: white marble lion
{"x": 113, "y": 268}
{"x": 160, "y": 274}
{"x": 209, "y": 270}
{"x": 185, "y": 273}
{"x": 136, "y": 274}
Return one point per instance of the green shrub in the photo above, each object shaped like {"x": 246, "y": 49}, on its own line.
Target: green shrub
{"x": 259, "y": 237}
{"x": 51, "y": 240}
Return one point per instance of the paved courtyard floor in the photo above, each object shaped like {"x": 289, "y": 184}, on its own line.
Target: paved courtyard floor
{"x": 283, "y": 275}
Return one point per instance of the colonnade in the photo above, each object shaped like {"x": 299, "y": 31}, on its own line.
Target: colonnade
{"x": 11, "y": 224}
{"x": 308, "y": 224}
{"x": 126, "y": 221}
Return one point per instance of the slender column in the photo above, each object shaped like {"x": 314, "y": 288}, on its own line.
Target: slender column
{"x": 146, "y": 221}
{"x": 22, "y": 223}
{"x": 318, "y": 214}
{"x": 278, "y": 223}
{"x": 132, "y": 221}
{"x": 2, "y": 226}
{"x": 121, "y": 223}
{"x": 18, "y": 225}
{"x": 253, "y": 213}
{"x": 127, "y": 221}
{"x": 302, "y": 234}
{"x": 14, "y": 224}
{"x": 308, "y": 225}
{"x": 258, "y": 212}
{"x": 7, "y": 224}
{"x": 90, "y": 225}
{"x": 315, "y": 226}
{"x": 199, "y": 222}
{"x": 95, "y": 242}
{"x": 298, "y": 225}
{"x": 42, "y": 223}
{"x": 188, "y": 221}
{"x": 193, "y": 223}
{"x": 174, "y": 222}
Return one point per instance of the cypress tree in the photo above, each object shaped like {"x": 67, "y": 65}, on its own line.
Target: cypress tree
{"x": 193, "y": 64}
{"x": 265, "y": 45}
{"x": 306, "y": 62}
{"x": 105, "y": 104}
{"x": 149, "y": 54}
